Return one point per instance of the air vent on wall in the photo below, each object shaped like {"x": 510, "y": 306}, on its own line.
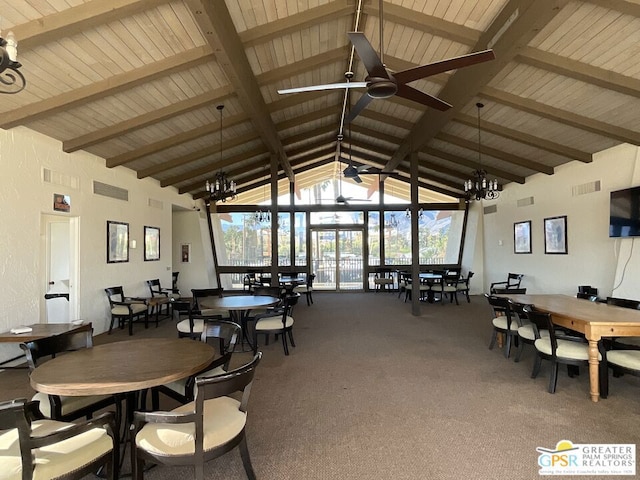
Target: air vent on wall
{"x": 525, "y": 202}
{"x": 585, "y": 188}
{"x": 490, "y": 209}
{"x": 107, "y": 190}
{"x": 156, "y": 203}
{"x": 62, "y": 179}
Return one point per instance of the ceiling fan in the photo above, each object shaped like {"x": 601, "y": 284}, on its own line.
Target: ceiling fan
{"x": 381, "y": 83}
{"x": 354, "y": 172}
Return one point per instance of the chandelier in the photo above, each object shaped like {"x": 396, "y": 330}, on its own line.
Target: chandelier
{"x": 10, "y": 77}
{"x": 392, "y": 222}
{"x": 221, "y": 188}
{"x": 480, "y": 187}
{"x": 263, "y": 216}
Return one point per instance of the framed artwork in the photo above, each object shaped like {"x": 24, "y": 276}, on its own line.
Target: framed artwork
{"x": 117, "y": 242}
{"x": 61, "y": 203}
{"x": 555, "y": 235}
{"x": 185, "y": 252}
{"x": 522, "y": 237}
{"x": 151, "y": 244}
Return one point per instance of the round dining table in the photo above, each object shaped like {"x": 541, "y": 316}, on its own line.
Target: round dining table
{"x": 239, "y": 307}
{"x": 121, "y": 367}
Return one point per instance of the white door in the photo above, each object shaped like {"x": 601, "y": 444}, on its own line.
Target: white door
{"x": 60, "y": 299}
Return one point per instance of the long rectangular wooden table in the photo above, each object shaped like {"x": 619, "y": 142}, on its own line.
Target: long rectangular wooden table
{"x": 594, "y": 320}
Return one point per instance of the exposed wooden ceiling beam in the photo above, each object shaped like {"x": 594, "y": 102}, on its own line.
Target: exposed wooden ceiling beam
{"x": 495, "y": 153}
{"x": 303, "y": 136}
{"x": 425, "y": 23}
{"x": 580, "y": 71}
{"x": 562, "y": 116}
{"x": 74, "y": 20}
{"x": 311, "y": 63}
{"x": 218, "y": 29}
{"x": 516, "y": 24}
{"x": 104, "y": 88}
{"x": 526, "y": 139}
{"x": 623, "y": 6}
{"x": 150, "y": 118}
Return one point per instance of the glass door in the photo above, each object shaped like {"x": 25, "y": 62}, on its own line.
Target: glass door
{"x": 336, "y": 256}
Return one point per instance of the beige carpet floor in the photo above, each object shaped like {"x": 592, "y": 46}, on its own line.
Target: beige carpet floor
{"x": 372, "y": 392}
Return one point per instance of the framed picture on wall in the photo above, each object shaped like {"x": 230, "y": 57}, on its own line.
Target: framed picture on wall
{"x": 555, "y": 235}
{"x": 151, "y": 244}
{"x": 522, "y": 237}
{"x": 185, "y": 252}
{"x": 117, "y": 242}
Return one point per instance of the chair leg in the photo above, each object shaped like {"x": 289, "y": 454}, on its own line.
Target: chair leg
{"x": 284, "y": 343}
{"x": 519, "y": 352}
{"x": 130, "y": 324}
{"x": 553, "y": 379}
{"x": 111, "y": 325}
{"x": 494, "y": 337}
{"x": 507, "y": 346}
{"x": 246, "y": 459}
{"x": 536, "y": 366}
{"x": 155, "y": 400}
{"x": 293, "y": 344}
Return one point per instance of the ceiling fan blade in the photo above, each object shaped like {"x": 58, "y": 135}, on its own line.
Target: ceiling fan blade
{"x": 356, "y": 179}
{"x": 357, "y": 108}
{"x": 328, "y": 86}
{"x": 411, "y": 93}
{"x": 406, "y": 76}
{"x": 368, "y": 55}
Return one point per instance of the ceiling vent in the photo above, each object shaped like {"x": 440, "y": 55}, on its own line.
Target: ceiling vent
{"x": 525, "y": 202}
{"x": 490, "y": 209}
{"x": 156, "y": 203}
{"x": 585, "y": 188}
{"x": 62, "y": 179}
{"x": 107, "y": 190}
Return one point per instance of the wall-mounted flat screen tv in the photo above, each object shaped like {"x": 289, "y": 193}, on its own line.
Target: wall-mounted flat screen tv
{"x": 624, "y": 218}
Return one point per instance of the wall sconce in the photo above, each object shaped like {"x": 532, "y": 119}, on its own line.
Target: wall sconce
{"x": 133, "y": 244}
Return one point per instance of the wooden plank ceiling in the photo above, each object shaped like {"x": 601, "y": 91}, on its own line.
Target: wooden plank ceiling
{"x": 137, "y": 83}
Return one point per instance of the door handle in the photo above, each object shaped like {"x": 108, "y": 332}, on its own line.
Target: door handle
{"x": 51, "y": 282}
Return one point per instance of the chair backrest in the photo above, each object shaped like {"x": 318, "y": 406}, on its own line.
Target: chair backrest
{"x": 154, "y": 286}
{"x": 234, "y": 381}
{"x": 224, "y": 335}
{"x": 310, "y": 279}
{"x": 588, "y": 289}
{"x": 199, "y": 294}
{"x": 267, "y": 291}
{"x": 64, "y": 342}
{"x": 542, "y": 321}
{"x": 514, "y": 279}
{"x": 502, "y": 306}
{"x": 114, "y": 294}
{"x": 623, "y": 302}
{"x": 519, "y": 310}
{"x": 174, "y": 280}
{"x": 14, "y": 414}
{"x": 290, "y": 301}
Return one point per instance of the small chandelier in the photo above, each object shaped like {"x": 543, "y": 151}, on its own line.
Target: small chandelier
{"x": 10, "y": 77}
{"x": 263, "y": 216}
{"x": 480, "y": 187}
{"x": 392, "y": 222}
{"x": 221, "y": 188}
{"x": 408, "y": 213}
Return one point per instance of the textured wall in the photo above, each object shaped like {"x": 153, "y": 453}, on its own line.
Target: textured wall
{"x": 24, "y": 198}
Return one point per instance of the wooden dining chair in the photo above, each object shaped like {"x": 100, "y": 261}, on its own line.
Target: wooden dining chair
{"x": 503, "y": 322}
{"x": 223, "y": 336}
{"x": 463, "y": 285}
{"x": 192, "y": 326}
{"x": 36, "y": 448}
{"x": 66, "y": 408}
{"x": 556, "y": 348}
{"x": 307, "y": 288}
{"x": 513, "y": 281}
{"x": 277, "y": 323}
{"x": 192, "y": 434}
{"x": 126, "y": 309}
{"x": 156, "y": 290}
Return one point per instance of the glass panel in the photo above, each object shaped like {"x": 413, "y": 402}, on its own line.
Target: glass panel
{"x": 333, "y": 218}
{"x": 284, "y": 239}
{"x": 350, "y": 255}
{"x": 374, "y": 238}
{"x": 301, "y": 239}
{"x": 397, "y": 238}
{"x": 241, "y": 240}
{"x": 440, "y": 236}
{"x": 231, "y": 281}
{"x": 323, "y": 259}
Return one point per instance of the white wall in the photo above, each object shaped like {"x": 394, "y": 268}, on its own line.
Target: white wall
{"x": 593, "y": 258}
{"x": 24, "y": 197}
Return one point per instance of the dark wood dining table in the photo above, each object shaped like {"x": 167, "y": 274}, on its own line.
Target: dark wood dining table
{"x": 595, "y": 320}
